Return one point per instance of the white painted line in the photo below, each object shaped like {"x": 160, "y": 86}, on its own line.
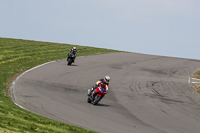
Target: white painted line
{"x": 20, "y": 106}
{"x": 194, "y": 80}
{"x": 13, "y": 83}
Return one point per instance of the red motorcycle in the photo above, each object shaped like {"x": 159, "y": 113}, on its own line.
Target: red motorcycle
{"x": 99, "y": 94}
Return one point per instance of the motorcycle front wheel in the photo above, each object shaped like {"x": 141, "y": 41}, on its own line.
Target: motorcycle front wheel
{"x": 89, "y": 100}
{"x": 69, "y": 61}
{"x": 96, "y": 99}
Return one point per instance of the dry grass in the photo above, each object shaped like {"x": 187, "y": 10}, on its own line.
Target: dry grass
{"x": 196, "y": 75}
{"x": 196, "y": 85}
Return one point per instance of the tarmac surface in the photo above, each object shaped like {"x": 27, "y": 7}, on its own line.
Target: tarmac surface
{"x": 147, "y": 93}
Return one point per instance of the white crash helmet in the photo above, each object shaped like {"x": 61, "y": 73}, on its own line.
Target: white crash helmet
{"x": 74, "y": 48}
{"x": 107, "y": 79}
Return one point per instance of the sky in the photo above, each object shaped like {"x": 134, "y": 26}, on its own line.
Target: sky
{"x": 156, "y": 27}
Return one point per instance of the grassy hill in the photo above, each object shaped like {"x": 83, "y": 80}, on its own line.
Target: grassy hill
{"x": 17, "y": 56}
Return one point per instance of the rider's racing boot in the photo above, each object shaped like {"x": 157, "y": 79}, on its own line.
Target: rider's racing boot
{"x": 90, "y": 91}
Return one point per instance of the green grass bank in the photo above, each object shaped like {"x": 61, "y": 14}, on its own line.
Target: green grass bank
{"x": 17, "y": 56}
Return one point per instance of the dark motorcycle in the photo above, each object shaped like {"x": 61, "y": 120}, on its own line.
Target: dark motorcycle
{"x": 100, "y": 93}
{"x": 71, "y": 58}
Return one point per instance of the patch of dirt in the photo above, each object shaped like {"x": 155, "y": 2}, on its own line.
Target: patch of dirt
{"x": 196, "y": 86}
{"x": 7, "y": 90}
{"x": 196, "y": 75}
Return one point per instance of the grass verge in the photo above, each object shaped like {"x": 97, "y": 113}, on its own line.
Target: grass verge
{"x": 17, "y": 56}
{"x": 196, "y": 85}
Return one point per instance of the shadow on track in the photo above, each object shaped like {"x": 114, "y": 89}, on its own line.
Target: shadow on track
{"x": 72, "y": 65}
{"x": 103, "y": 105}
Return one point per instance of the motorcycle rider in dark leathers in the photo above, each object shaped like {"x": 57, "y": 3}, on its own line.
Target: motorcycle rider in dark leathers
{"x": 74, "y": 51}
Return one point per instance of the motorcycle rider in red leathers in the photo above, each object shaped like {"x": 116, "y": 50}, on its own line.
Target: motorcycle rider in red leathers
{"x": 101, "y": 87}
{"x": 103, "y": 83}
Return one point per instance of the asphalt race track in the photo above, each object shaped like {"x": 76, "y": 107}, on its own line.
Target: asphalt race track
{"x": 148, "y": 94}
